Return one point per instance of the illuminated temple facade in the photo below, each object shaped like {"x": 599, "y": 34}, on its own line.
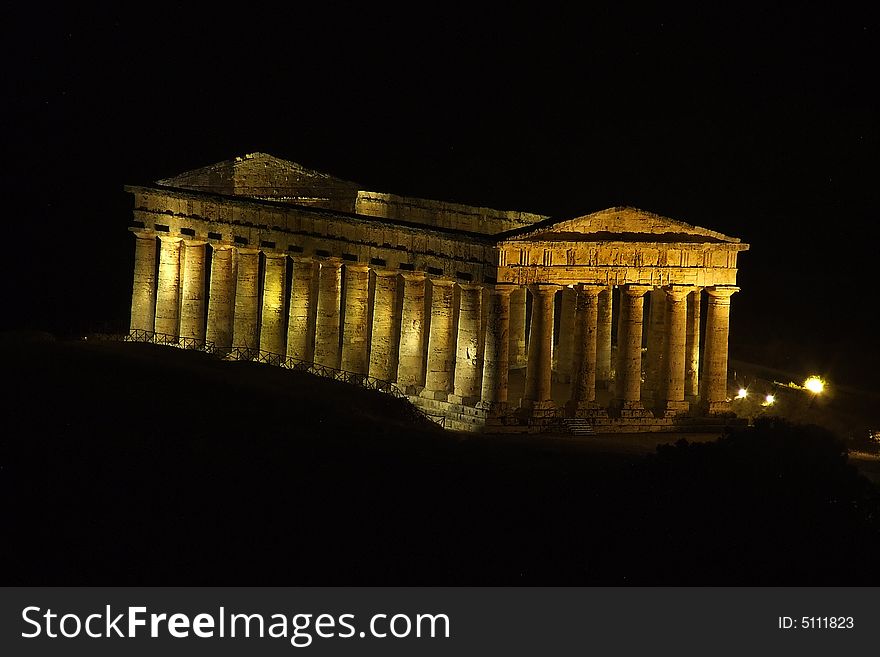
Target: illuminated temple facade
{"x": 494, "y": 320}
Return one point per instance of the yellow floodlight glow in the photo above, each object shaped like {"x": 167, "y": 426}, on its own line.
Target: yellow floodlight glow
{"x": 769, "y": 400}
{"x": 742, "y": 394}
{"x": 815, "y": 385}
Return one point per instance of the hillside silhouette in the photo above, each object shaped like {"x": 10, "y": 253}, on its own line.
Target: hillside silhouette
{"x": 134, "y": 464}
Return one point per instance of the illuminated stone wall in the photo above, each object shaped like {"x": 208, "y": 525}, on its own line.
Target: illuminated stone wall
{"x": 444, "y": 215}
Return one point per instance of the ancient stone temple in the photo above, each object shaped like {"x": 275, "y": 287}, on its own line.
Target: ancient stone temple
{"x": 494, "y": 320}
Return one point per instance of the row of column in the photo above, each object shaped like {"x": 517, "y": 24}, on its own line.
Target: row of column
{"x": 468, "y": 362}
{"x": 673, "y": 347}
{"x": 379, "y": 340}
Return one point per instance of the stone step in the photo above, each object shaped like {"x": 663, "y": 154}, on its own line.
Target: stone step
{"x": 578, "y": 426}
{"x": 446, "y": 408}
{"x": 455, "y": 425}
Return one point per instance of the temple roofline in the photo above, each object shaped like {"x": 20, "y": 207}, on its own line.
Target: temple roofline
{"x": 498, "y": 239}
{"x": 551, "y": 222}
{"x": 267, "y": 180}
{"x": 257, "y": 155}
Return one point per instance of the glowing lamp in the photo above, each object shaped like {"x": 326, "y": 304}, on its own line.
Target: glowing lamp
{"x": 742, "y": 394}
{"x": 815, "y": 385}
{"x": 769, "y": 399}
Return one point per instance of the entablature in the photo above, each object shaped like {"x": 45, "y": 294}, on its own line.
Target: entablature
{"x": 617, "y": 254}
{"x": 309, "y": 232}
{"x": 616, "y": 275}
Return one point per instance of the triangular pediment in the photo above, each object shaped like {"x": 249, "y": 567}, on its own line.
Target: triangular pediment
{"x": 264, "y": 176}
{"x": 617, "y": 224}
{"x": 268, "y": 167}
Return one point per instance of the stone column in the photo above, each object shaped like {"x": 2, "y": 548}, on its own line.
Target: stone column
{"x": 583, "y": 389}
{"x": 143, "y": 294}
{"x": 692, "y": 347}
{"x": 410, "y": 371}
{"x": 497, "y": 349}
{"x": 192, "y": 305}
{"x": 441, "y": 354}
{"x": 656, "y": 328}
{"x": 274, "y": 292}
{"x": 565, "y": 353}
{"x": 538, "y": 371}
{"x": 384, "y": 342}
{"x": 245, "y": 329}
{"x": 603, "y": 340}
{"x": 484, "y": 319}
{"x": 300, "y": 325}
{"x": 355, "y": 329}
{"x": 671, "y": 397}
{"x": 629, "y": 349}
{"x": 517, "y": 348}
{"x": 714, "y": 383}
{"x": 168, "y": 292}
{"x": 221, "y": 297}
{"x": 327, "y": 322}
{"x": 467, "y": 364}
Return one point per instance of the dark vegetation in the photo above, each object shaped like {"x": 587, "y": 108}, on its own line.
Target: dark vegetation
{"x": 126, "y": 464}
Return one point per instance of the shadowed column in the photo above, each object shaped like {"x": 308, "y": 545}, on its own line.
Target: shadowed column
{"x": 603, "y": 339}
{"x": 537, "y": 393}
{"x": 481, "y": 344}
{"x": 355, "y": 330}
{"x": 517, "y": 350}
{"x": 327, "y": 322}
{"x": 192, "y": 305}
{"x": 245, "y": 329}
{"x": 714, "y": 393}
{"x": 656, "y": 329}
{"x": 410, "y": 371}
{"x": 497, "y": 349}
{"x": 671, "y": 395}
{"x": 565, "y": 357}
{"x": 300, "y": 327}
{"x": 467, "y": 364}
{"x": 384, "y": 341}
{"x": 221, "y": 297}
{"x": 583, "y": 389}
{"x": 272, "y": 316}
{"x": 143, "y": 294}
{"x": 168, "y": 288}
{"x": 629, "y": 348}
{"x": 441, "y": 344}
{"x": 692, "y": 347}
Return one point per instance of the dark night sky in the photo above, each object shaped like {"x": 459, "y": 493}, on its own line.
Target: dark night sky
{"x": 759, "y": 123}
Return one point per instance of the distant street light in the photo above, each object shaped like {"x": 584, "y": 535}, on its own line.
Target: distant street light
{"x": 815, "y": 385}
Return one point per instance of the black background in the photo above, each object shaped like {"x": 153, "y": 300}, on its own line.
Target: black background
{"x": 758, "y": 122}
